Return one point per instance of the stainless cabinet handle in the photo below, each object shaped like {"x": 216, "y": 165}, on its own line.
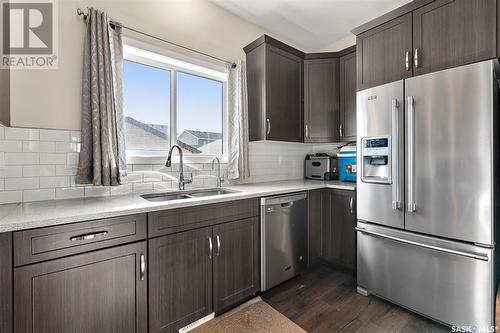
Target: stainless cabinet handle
{"x": 411, "y": 155}
{"x": 268, "y": 126}
{"x": 210, "y": 247}
{"x": 415, "y": 58}
{"x": 483, "y": 257}
{"x": 351, "y": 205}
{"x": 88, "y": 236}
{"x": 407, "y": 60}
{"x": 341, "y": 130}
{"x": 396, "y": 195}
{"x": 307, "y": 131}
{"x": 143, "y": 266}
{"x": 217, "y": 238}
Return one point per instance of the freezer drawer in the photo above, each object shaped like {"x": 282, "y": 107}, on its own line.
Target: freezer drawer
{"x": 448, "y": 281}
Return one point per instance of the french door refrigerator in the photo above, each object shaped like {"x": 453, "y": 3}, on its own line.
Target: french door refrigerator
{"x": 427, "y": 192}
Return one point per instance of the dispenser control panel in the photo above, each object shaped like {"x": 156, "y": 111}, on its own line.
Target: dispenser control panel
{"x": 376, "y": 147}
{"x": 376, "y": 160}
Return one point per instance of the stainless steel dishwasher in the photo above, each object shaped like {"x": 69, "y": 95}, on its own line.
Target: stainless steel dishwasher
{"x": 284, "y": 234}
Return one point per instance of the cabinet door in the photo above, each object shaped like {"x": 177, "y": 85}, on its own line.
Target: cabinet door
{"x": 236, "y": 262}
{"x": 381, "y": 53}
{"x": 339, "y": 236}
{"x": 321, "y": 100}
{"x": 316, "y": 212}
{"x": 448, "y": 33}
{"x": 284, "y": 118}
{"x": 348, "y": 97}
{"x": 6, "y": 283}
{"x": 101, "y": 291}
{"x": 180, "y": 279}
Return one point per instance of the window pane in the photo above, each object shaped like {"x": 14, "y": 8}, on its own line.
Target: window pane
{"x": 199, "y": 114}
{"x": 146, "y": 93}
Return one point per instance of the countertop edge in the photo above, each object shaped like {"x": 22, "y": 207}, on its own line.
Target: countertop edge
{"x": 13, "y": 219}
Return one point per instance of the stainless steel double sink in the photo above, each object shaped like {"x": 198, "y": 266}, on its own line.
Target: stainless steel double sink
{"x": 180, "y": 195}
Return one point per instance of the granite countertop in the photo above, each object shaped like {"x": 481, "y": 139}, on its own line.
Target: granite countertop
{"x": 14, "y": 217}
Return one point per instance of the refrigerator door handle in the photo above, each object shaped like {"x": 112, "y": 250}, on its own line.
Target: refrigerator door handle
{"x": 477, "y": 256}
{"x": 411, "y": 155}
{"x": 396, "y": 186}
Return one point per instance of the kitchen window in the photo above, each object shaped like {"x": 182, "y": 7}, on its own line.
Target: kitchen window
{"x": 170, "y": 101}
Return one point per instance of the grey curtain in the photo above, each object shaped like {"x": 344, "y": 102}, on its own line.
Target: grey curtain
{"x": 102, "y": 155}
{"x": 238, "y": 165}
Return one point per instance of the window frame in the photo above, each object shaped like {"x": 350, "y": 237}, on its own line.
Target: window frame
{"x": 153, "y": 56}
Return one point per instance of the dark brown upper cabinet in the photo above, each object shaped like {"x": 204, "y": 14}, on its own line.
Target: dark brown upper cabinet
{"x": 347, "y": 118}
{"x": 425, "y": 36}
{"x": 321, "y": 100}
{"x": 275, "y": 103}
{"x": 100, "y": 291}
{"x": 236, "y": 262}
{"x": 384, "y": 54}
{"x": 449, "y": 33}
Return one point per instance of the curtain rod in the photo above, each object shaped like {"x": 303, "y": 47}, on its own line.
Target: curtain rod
{"x": 231, "y": 64}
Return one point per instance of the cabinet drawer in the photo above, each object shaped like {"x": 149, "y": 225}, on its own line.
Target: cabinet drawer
{"x": 176, "y": 220}
{"x": 52, "y": 242}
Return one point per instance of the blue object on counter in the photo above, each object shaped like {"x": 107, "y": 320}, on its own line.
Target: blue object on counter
{"x": 347, "y": 164}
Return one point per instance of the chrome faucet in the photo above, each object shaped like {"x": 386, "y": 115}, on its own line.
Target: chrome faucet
{"x": 168, "y": 163}
{"x": 219, "y": 179}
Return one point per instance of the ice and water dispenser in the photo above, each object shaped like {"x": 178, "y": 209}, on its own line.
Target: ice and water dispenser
{"x": 376, "y": 160}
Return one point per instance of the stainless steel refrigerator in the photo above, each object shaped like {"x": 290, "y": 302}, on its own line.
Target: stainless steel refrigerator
{"x": 427, "y": 192}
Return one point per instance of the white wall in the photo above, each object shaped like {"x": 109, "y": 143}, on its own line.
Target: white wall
{"x": 52, "y": 98}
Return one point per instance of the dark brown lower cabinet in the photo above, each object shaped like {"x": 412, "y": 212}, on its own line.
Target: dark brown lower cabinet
{"x": 236, "y": 262}
{"x": 316, "y": 212}
{"x": 180, "y": 279}
{"x": 187, "y": 268}
{"x": 101, "y": 291}
{"x": 338, "y": 233}
{"x": 6, "y": 301}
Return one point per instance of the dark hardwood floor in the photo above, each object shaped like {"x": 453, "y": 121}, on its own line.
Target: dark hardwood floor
{"x": 325, "y": 300}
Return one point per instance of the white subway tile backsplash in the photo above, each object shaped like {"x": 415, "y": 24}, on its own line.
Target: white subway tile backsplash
{"x": 21, "y": 158}
{"x": 142, "y": 187}
{"x": 39, "y": 195}
{"x": 39, "y": 146}
{"x": 75, "y": 136}
{"x": 24, "y": 183}
{"x": 39, "y": 170}
{"x": 11, "y": 146}
{"x": 142, "y": 167}
{"x": 54, "y": 135}
{"x": 52, "y": 158}
{"x": 14, "y": 133}
{"x": 11, "y": 197}
{"x": 97, "y": 191}
{"x": 72, "y": 159}
{"x": 54, "y": 182}
{"x": 67, "y": 147}
{"x": 63, "y": 170}
{"x": 135, "y": 177}
{"x": 11, "y": 171}
{"x": 42, "y": 164}
{"x": 70, "y": 192}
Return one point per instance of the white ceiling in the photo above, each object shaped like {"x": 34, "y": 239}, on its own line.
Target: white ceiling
{"x": 310, "y": 24}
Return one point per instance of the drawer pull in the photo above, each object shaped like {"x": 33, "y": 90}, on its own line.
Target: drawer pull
{"x": 88, "y": 236}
